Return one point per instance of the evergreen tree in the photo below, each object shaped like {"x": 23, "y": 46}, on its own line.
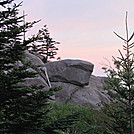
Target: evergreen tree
{"x": 44, "y": 44}
{"x": 121, "y": 89}
{"x": 22, "y": 109}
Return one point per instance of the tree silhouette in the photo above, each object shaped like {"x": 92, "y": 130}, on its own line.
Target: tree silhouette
{"x": 121, "y": 89}
{"x": 44, "y": 45}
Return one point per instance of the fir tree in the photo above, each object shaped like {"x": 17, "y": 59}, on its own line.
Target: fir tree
{"x": 121, "y": 89}
{"x": 22, "y": 109}
{"x": 44, "y": 44}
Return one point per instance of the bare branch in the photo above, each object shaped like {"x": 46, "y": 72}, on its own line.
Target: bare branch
{"x": 131, "y": 44}
{"x": 108, "y": 64}
{"x": 126, "y": 26}
{"x": 121, "y": 54}
{"x": 131, "y": 37}
{"x": 120, "y": 37}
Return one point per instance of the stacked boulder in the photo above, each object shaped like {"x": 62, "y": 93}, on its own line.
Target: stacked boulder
{"x": 74, "y": 76}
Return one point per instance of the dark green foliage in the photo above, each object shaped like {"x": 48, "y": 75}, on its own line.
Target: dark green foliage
{"x": 62, "y": 124}
{"x": 44, "y": 44}
{"x": 3, "y": 2}
{"x": 121, "y": 89}
{"x": 88, "y": 120}
{"x": 26, "y": 113}
{"x": 23, "y": 110}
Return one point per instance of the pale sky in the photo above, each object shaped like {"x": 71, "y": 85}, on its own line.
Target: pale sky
{"x": 83, "y": 27}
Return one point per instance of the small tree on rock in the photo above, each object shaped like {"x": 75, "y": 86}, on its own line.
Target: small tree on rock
{"x": 44, "y": 45}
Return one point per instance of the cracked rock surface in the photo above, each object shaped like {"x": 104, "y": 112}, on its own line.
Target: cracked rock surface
{"x": 75, "y": 77}
{"x": 76, "y": 72}
{"x": 90, "y": 95}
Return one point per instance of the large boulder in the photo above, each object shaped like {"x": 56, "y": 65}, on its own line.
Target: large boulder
{"x": 78, "y": 85}
{"x": 37, "y": 66}
{"x": 75, "y": 72}
{"x": 33, "y": 59}
{"x": 37, "y": 80}
{"x": 90, "y": 95}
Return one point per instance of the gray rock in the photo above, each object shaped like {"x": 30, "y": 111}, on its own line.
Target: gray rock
{"x": 65, "y": 94}
{"x": 37, "y": 80}
{"x": 37, "y": 54}
{"x": 33, "y": 59}
{"x": 75, "y": 72}
{"x": 79, "y": 86}
{"x": 90, "y": 95}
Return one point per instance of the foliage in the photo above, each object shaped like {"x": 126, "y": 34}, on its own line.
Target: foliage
{"x": 27, "y": 110}
{"x": 121, "y": 89}
{"x": 44, "y": 44}
{"x": 89, "y": 120}
{"x": 23, "y": 110}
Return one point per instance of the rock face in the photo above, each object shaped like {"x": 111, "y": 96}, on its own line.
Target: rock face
{"x": 37, "y": 80}
{"x": 36, "y": 65}
{"x": 78, "y": 85}
{"x": 90, "y": 95}
{"x": 76, "y": 72}
{"x": 35, "y": 60}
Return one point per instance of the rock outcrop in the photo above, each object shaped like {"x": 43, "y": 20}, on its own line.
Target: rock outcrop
{"x": 78, "y": 85}
{"x": 38, "y": 80}
{"x": 75, "y": 72}
{"x": 33, "y": 59}
{"x": 90, "y": 95}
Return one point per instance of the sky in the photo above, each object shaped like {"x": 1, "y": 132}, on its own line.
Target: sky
{"x": 84, "y": 28}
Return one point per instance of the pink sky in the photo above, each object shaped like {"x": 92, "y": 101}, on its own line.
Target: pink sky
{"x": 83, "y": 27}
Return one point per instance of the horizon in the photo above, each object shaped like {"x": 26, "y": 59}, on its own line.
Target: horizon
{"x": 84, "y": 28}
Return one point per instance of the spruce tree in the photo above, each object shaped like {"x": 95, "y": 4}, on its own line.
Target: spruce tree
{"x": 22, "y": 109}
{"x": 120, "y": 111}
{"x": 44, "y": 44}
